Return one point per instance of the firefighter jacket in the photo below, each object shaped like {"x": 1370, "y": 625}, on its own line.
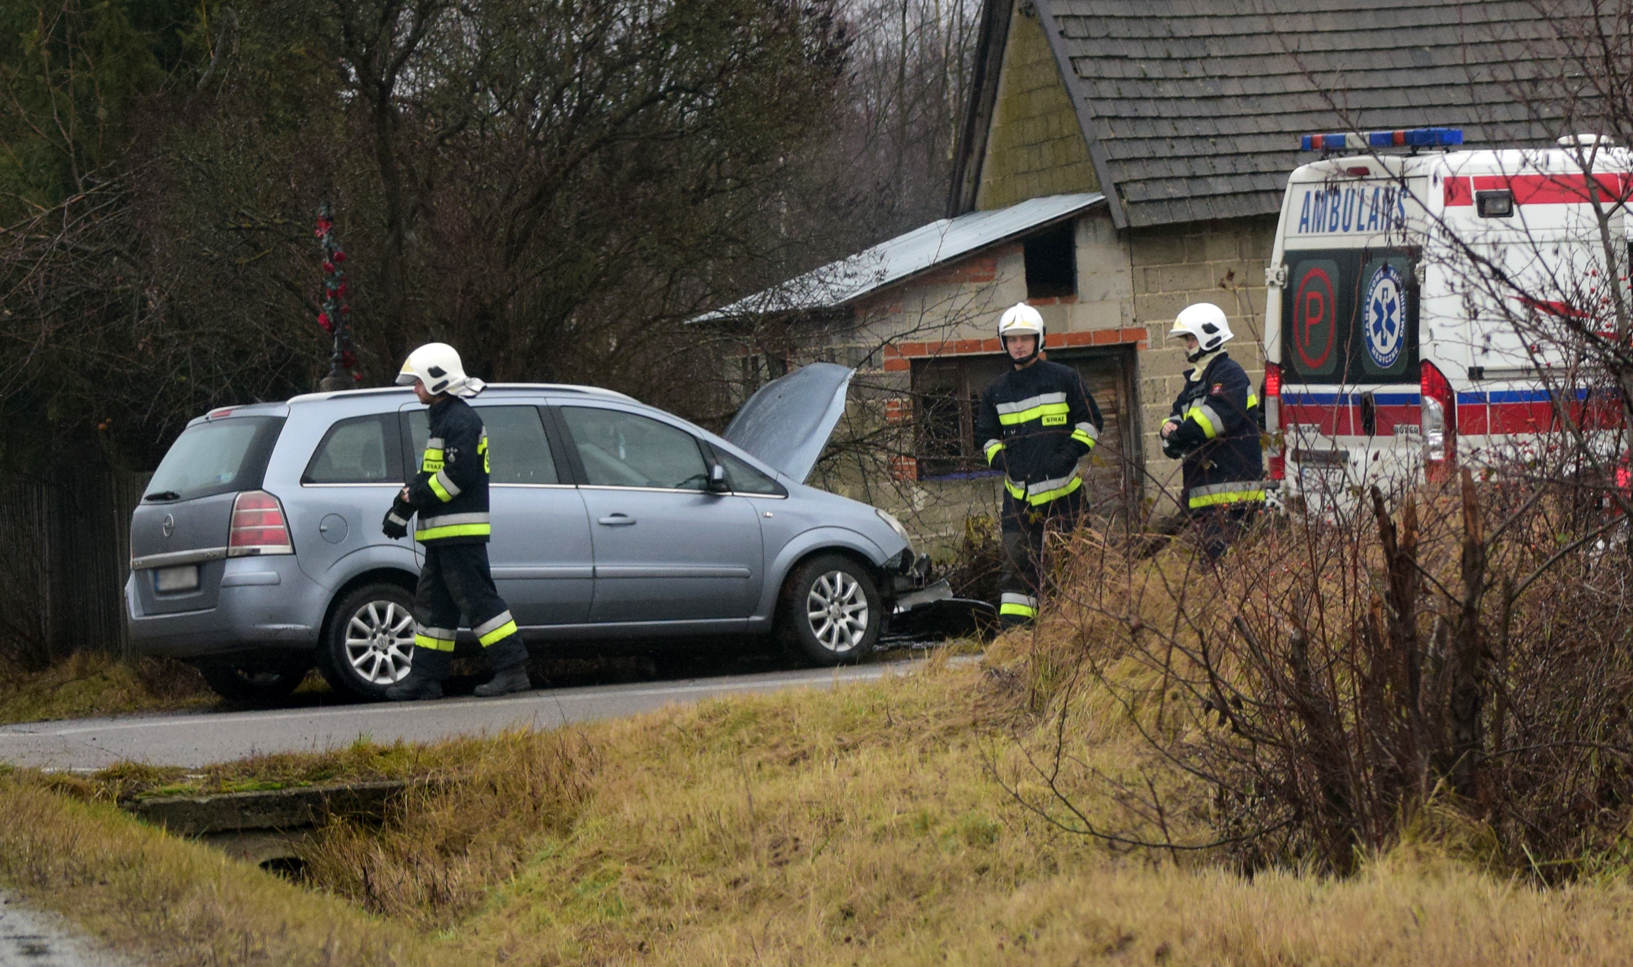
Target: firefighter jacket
{"x": 1035, "y": 423}
{"x": 450, "y": 493}
{"x": 1218, "y": 435}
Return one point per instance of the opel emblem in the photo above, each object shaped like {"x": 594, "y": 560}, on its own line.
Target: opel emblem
{"x": 169, "y": 526}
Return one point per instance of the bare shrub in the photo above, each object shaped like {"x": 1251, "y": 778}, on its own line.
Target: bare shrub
{"x": 1334, "y": 680}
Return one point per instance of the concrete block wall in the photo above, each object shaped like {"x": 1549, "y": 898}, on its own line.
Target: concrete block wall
{"x": 1034, "y": 145}
{"x": 1173, "y": 267}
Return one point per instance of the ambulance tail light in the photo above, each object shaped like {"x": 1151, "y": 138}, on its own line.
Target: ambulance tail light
{"x": 1438, "y": 421}
{"x": 258, "y": 526}
{"x": 1275, "y": 459}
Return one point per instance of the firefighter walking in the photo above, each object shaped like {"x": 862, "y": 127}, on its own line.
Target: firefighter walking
{"x": 1214, "y": 429}
{"x": 1036, "y": 422}
{"x": 450, "y": 497}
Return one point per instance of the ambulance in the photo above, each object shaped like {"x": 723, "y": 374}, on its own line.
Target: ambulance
{"x": 1427, "y": 308}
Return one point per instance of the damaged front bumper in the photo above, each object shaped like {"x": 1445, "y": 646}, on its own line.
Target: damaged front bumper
{"x": 922, "y": 610}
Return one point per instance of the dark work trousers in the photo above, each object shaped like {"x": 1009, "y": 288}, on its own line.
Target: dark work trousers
{"x": 1217, "y": 528}
{"x": 1021, "y": 583}
{"x": 455, "y": 581}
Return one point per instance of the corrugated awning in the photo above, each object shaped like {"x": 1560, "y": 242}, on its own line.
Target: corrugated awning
{"x": 942, "y": 241}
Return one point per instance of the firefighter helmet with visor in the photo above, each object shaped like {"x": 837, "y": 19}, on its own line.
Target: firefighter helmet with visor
{"x": 437, "y": 366}
{"x": 1207, "y": 323}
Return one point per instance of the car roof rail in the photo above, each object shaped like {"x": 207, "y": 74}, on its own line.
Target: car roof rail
{"x": 595, "y": 391}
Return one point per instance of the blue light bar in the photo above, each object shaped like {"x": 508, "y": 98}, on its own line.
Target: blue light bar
{"x": 1402, "y": 138}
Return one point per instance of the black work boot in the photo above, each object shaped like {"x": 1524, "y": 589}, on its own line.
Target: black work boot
{"x": 424, "y": 679}
{"x": 505, "y": 681}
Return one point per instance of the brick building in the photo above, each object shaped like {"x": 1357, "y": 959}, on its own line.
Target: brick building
{"x": 1119, "y": 162}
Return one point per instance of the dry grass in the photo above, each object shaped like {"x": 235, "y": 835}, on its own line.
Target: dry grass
{"x": 95, "y": 683}
{"x": 858, "y": 826}
{"x": 172, "y": 902}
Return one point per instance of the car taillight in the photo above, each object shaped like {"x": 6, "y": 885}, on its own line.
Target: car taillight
{"x": 1276, "y": 461}
{"x": 258, "y": 526}
{"x": 1438, "y": 421}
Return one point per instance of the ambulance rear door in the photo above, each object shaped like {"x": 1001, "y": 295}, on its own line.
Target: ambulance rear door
{"x": 1347, "y": 334}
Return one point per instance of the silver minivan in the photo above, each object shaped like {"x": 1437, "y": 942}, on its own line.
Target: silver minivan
{"x": 257, "y": 551}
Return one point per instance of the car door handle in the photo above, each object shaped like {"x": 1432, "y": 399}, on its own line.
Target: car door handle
{"x": 618, "y": 520}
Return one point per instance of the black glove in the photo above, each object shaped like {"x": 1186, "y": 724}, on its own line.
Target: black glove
{"x": 1173, "y": 449}
{"x": 1067, "y": 453}
{"x": 394, "y": 526}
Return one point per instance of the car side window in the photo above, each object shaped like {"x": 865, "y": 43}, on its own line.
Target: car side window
{"x": 628, "y": 450}
{"x": 745, "y": 479}
{"x": 362, "y": 449}
{"x": 518, "y": 450}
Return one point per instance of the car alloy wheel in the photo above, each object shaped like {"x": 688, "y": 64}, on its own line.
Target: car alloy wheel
{"x": 380, "y": 642}
{"x": 830, "y": 611}
{"x": 837, "y": 610}
{"x": 368, "y": 642}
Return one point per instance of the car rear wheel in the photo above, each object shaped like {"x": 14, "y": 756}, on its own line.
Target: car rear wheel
{"x": 830, "y": 611}
{"x": 369, "y": 643}
{"x": 260, "y": 683}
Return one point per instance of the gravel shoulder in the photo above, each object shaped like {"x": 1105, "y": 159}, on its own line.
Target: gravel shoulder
{"x": 30, "y": 938}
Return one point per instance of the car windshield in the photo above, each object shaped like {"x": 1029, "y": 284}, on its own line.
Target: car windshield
{"x": 216, "y": 457}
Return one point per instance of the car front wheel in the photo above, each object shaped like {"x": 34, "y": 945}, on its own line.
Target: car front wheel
{"x": 830, "y": 611}
{"x": 369, "y": 643}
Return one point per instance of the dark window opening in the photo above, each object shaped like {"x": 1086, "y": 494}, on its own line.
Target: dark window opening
{"x": 947, "y": 396}
{"x": 1051, "y": 262}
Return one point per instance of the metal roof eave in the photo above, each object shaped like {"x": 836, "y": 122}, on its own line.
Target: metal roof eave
{"x": 1001, "y": 226}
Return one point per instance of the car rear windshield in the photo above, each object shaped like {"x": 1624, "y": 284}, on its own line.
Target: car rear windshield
{"x": 217, "y": 457}
{"x": 1350, "y": 316}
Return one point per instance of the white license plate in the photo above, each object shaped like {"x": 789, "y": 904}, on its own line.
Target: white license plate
{"x": 1323, "y": 480}
{"x": 170, "y": 579}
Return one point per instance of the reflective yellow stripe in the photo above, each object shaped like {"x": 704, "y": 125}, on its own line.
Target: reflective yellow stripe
{"x": 1015, "y": 490}
{"x": 433, "y": 644}
{"x": 1201, "y": 417}
{"x": 1057, "y": 493}
{"x": 432, "y": 461}
{"x": 1252, "y": 400}
{"x": 482, "y": 448}
{"x": 993, "y": 449}
{"x": 503, "y": 631}
{"x": 1227, "y": 497}
{"x": 1019, "y": 610}
{"x": 1082, "y": 437}
{"x": 1035, "y": 413}
{"x": 438, "y": 489}
{"x": 454, "y": 530}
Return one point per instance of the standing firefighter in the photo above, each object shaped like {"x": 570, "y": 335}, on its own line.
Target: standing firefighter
{"x": 1036, "y": 422}
{"x": 450, "y": 496}
{"x": 1214, "y": 428}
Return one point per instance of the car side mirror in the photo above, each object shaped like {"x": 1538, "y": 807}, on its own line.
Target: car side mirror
{"x": 718, "y": 484}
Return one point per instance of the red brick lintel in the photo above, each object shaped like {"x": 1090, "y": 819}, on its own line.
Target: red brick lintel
{"x": 897, "y": 355}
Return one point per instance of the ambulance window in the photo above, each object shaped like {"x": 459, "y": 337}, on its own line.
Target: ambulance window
{"x": 1349, "y": 316}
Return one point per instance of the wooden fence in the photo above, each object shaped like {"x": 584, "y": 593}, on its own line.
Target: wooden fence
{"x": 65, "y": 558}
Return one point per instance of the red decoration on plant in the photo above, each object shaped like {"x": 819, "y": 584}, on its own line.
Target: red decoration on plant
{"x": 336, "y": 314}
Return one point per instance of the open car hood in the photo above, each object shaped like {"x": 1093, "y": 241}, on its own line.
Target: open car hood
{"x": 788, "y": 421}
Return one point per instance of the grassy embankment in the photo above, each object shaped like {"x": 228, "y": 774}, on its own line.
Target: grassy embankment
{"x": 863, "y": 825}
{"x": 94, "y": 683}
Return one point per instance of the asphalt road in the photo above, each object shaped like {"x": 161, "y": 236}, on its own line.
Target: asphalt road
{"x": 196, "y": 739}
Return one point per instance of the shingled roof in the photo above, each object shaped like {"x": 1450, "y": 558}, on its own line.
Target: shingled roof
{"x": 1191, "y": 108}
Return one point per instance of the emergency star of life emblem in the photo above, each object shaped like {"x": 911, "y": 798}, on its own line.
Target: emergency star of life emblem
{"x": 1385, "y": 324}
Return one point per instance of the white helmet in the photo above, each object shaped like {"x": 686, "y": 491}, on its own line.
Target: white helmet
{"x": 437, "y": 365}
{"x": 1206, "y": 322}
{"x": 1021, "y": 319}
